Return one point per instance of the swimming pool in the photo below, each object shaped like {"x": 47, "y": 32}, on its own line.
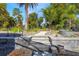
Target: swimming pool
{"x": 7, "y": 43}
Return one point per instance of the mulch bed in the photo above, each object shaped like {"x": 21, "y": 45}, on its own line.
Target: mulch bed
{"x": 21, "y": 52}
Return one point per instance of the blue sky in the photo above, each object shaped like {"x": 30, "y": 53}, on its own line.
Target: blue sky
{"x": 37, "y": 9}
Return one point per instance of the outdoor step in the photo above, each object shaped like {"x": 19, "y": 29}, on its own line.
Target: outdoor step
{"x": 45, "y": 42}
{"x": 64, "y": 38}
{"x": 40, "y": 39}
{"x": 39, "y": 36}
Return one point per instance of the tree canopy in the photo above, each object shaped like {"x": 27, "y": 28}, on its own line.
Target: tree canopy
{"x": 58, "y": 14}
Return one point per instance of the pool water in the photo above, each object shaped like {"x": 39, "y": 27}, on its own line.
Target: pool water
{"x": 7, "y": 45}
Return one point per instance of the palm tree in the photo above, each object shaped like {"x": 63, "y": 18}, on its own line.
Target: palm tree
{"x": 4, "y": 14}
{"x": 32, "y": 20}
{"x": 18, "y": 16}
{"x": 3, "y": 11}
{"x": 27, "y": 5}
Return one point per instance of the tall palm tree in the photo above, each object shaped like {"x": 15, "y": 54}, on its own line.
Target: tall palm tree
{"x": 2, "y": 7}
{"x": 33, "y": 20}
{"x": 4, "y": 14}
{"x": 17, "y": 14}
{"x": 3, "y": 10}
{"x": 27, "y": 5}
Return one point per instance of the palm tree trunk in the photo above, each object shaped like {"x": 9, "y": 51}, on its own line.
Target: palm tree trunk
{"x": 27, "y": 17}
